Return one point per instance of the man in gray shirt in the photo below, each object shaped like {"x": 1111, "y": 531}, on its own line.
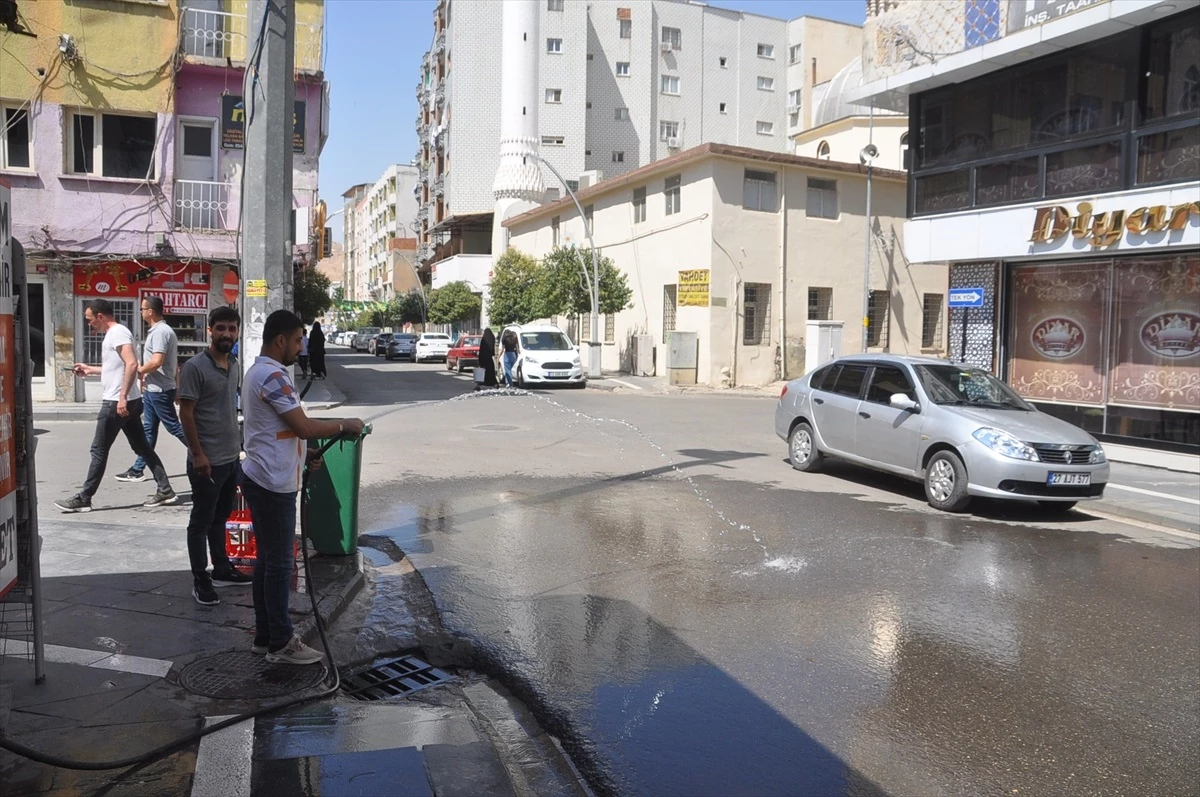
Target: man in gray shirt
{"x": 160, "y": 362}
{"x": 208, "y": 394}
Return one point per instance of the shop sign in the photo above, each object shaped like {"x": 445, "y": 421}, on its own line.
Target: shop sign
{"x": 693, "y": 288}
{"x": 8, "y": 402}
{"x": 233, "y": 123}
{"x": 125, "y": 279}
{"x": 1031, "y": 13}
{"x": 1054, "y": 222}
{"x": 184, "y": 302}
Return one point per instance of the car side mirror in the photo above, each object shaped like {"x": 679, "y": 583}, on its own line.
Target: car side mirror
{"x": 903, "y": 402}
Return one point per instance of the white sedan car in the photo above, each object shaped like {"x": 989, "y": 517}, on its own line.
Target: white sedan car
{"x": 432, "y": 346}
{"x": 546, "y": 356}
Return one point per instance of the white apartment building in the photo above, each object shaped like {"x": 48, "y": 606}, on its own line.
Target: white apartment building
{"x": 391, "y": 211}
{"x": 354, "y": 248}
{"x": 621, "y": 85}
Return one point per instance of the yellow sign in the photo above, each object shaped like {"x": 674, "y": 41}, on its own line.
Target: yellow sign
{"x": 1105, "y": 229}
{"x": 256, "y": 289}
{"x": 693, "y": 288}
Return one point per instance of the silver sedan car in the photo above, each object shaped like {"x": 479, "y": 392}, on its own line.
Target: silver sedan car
{"x": 955, "y": 427}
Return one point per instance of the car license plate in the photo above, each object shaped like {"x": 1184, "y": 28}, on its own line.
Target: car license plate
{"x": 1069, "y": 479}
{"x": 557, "y": 373}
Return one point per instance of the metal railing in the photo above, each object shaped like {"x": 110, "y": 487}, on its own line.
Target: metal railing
{"x": 202, "y": 205}
{"x": 214, "y": 34}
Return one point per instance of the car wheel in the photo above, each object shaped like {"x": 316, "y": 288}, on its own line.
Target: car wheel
{"x": 520, "y": 380}
{"x": 946, "y": 482}
{"x": 802, "y": 448}
{"x": 458, "y": 366}
{"x": 1057, "y": 507}
{"x": 449, "y": 367}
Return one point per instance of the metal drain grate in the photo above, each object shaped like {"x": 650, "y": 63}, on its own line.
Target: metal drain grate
{"x": 238, "y": 675}
{"x": 395, "y": 678}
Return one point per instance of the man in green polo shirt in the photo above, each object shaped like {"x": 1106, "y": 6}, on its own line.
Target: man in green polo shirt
{"x": 208, "y": 394}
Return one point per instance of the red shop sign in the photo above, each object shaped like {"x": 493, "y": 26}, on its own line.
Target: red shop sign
{"x": 125, "y": 279}
{"x": 183, "y": 302}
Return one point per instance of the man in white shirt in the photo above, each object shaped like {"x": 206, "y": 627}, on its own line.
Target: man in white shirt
{"x": 120, "y": 409}
{"x": 160, "y": 363}
{"x": 275, "y": 428}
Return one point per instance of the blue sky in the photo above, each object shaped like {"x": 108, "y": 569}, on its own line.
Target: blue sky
{"x": 373, "y": 62}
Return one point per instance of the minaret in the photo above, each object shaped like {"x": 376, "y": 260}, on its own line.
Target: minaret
{"x": 518, "y": 185}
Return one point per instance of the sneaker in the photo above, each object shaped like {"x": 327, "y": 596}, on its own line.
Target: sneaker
{"x": 204, "y": 594}
{"x": 295, "y": 652}
{"x": 74, "y": 504}
{"x": 231, "y": 578}
{"x": 258, "y": 650}
{"x": 163, "y": 499}
{"x": 131, "y": 476}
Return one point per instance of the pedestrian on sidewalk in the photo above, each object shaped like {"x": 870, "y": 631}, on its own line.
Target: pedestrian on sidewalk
{"x": 160, "y": 364}
{"x": 316, "y": 351}
{"x": 487, "y": 359}
{"x": 302, "y": 360}
{"x": 508, "y": 340}
{"x": 276, "y": 427}
{"x": 120, "y": 409}
{"x": 208, "y": 395}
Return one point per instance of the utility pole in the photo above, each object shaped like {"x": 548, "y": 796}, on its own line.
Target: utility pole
{"x": 268, "y": 94}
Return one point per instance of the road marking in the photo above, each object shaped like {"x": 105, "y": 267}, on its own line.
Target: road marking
{"x": 100, "y": 659}
{"x": 223, "y": 761}
{"x": 626, "y": 384}
{"x": 1192, "y": 501}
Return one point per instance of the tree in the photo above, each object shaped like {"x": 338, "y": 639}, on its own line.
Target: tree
{"x": 452, "y": 303}
{"x": 406, "y": 308}
{"x": 516, "y": 290}
{"x": 312, "y": 297}
{"x": 567, "y": 289}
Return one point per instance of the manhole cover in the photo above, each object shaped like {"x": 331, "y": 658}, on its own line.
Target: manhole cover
{"x": 495, "y": 427}
{"x": 240, "y": 674}
{"x": 395, "y": 678}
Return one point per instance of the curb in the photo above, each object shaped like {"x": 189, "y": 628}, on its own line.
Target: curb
{"x": 1145, "y": 516}
{"x": 307, "y": 628}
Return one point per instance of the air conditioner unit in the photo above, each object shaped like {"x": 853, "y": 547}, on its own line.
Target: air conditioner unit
{"x": 793, "y": 109}
{"x": 667, "y": 47}
{"x": 673, "y": 142}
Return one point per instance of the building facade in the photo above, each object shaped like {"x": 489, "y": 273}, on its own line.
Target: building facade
{"x": 1056, "y": 165}
{"x": 745, "y": 248}
{"x": 121, "y": 140}
{"x": 391, "y": 207}
{"x": 620, "y": 85}
{"x": 354, "y": 248}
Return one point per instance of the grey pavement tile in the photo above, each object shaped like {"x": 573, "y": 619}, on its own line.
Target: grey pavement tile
{"x": 82, "y": 707}
{"x": 133, "y": 581}
{"x": 146, "y": 705}
{"x": 153, "y": 636}
{"x": 53, "y": 562}
{"x": 383, "y": 772}
{"x": 466, "y": 770}
{"x": 59, "y": 589}
{"x": 66, "y": 682}
{"x": 124, "y": 598}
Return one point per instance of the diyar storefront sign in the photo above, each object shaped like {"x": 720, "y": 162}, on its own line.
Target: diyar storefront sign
{"x": 1105, "y": 229}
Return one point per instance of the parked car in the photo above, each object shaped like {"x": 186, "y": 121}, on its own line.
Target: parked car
{"x": 545, "y": 355}
{"x": 432, "y": 346}
{"x": 464, "y": 353}
{"x": 347, "y": 339}
{"x": 401, "y": 346}
{"x": 957, "y": 428}
{"x": 363, "y": 337}
{"x": 378, "y": 344}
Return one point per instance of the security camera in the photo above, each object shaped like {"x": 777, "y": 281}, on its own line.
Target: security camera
{"x": 868, "y": 153}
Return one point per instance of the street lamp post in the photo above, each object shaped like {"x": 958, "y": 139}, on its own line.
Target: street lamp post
{"x": 594, "y": 286}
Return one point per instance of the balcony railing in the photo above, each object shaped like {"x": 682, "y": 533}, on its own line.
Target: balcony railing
{"x": 439, "y": 45}
{"x": 202, "y": 205}
{"x": 214, "y": 34}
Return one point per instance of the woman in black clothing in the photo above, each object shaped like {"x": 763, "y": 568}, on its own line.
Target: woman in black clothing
{"x": 487, "y": 358}
{"x": 316, "y": 351}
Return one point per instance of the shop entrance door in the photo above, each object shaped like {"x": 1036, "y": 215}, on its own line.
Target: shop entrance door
{"x": 88, "y": 341}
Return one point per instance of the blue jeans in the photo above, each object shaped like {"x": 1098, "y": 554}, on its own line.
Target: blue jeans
{"x": 274, "y": 516}
{"x": 508, "y": 360}
{"x": 156, "y": 408}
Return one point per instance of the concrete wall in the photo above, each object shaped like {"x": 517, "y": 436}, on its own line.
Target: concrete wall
{"x": 847, "y": 137}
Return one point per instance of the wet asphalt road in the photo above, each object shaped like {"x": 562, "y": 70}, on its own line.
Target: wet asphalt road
{"x": 694, "y": 617}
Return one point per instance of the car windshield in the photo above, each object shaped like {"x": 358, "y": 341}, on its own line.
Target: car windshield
{"x": 965, "y": 386}
{"x": 471, "y": 341}
{"x": 545, "y": 341}
{"x": 437, "y": 337}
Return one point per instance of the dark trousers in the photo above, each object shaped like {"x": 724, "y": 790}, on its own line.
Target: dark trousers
{"x": 274, "y": 516}
{"x": 158, "y": 408}
{"x": 108, "y": 425}
{"x": 302, "y": 361}
{"x": 212, "y": 501}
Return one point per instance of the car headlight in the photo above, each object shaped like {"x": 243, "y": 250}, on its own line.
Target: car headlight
{"x": 575, "y": 361}
{"x": 531, "y": 360}
{"x": 1005, "y": 444}
{"x": 1097, "y": 456}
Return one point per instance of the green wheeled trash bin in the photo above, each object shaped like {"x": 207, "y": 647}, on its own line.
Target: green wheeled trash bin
{"x": 333, "y": 497}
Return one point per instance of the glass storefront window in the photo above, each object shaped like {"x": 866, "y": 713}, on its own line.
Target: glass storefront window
{"x": 1007, "y": 182}
{"x": 943, "y": 192}
{"x": 1168, "y": 157}
{"x": 1172, "y": 85}
{"x": 1085, "y": 170}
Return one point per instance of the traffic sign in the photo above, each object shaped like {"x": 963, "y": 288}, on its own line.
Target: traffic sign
{"x": 967, "y": 297}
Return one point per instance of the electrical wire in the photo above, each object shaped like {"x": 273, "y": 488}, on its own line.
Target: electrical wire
{"x": 334, "y": 680}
